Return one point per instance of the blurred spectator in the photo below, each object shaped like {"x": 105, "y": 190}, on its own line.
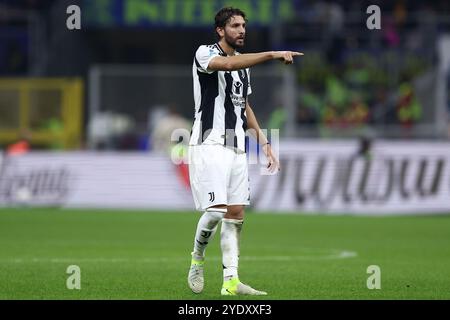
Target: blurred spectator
{"x": 336, "y": 90}
{"x": 162, "y": 142}
{"x": 409, "y": 110}
{"x": 163, "y": 129}
{"x": 56, "y": 127}
{"x": 365, "y": 144}
{"x": 309, "y": 107}
{"x": 21, "y": 146}
{"x": 305, "y": 116}
{"x": 400, "y": 13}
{"x": 107, "y": 129}
{"x": 331, "y": 15}
{"x": 277, "y": 118}
{"x": 390, "y": 34}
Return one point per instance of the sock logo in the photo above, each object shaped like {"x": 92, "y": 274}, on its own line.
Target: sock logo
{"x": 206, "y": 234}
{"x": 211, "y": 196}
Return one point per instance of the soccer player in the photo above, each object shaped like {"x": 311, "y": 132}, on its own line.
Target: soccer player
{"x": 217, "y": 155}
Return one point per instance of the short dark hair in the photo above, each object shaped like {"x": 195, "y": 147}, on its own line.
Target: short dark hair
{"x": 224, "y": 15}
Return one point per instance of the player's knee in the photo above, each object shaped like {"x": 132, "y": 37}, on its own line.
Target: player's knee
{"x": 214, "y": 215}
{"x": 235, "y": 212}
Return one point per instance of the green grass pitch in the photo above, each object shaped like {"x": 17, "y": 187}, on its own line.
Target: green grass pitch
{"x": 146, "y": 255}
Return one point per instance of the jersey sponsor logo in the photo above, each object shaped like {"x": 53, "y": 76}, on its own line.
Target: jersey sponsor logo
{"x": 237, "y": 95}
{"x": 238, "y": 101}
{"x": 237, "y": 86}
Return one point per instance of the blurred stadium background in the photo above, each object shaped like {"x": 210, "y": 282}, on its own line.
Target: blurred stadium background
{"x": 86, "y": 118}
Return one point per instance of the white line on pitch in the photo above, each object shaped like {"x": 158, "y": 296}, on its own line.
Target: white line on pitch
{"x": 335, "y": 255}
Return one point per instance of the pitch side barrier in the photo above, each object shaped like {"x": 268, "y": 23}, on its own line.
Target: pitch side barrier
{"x": 331, "y": 177}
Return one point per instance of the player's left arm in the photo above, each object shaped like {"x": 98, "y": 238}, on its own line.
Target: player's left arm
{"x": 260, "y": 137}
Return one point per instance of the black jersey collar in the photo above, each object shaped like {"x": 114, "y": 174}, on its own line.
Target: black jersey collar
{"x": 222, "y": 53}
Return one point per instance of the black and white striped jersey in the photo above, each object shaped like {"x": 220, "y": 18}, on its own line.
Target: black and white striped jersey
{"x": 220, "y": 100}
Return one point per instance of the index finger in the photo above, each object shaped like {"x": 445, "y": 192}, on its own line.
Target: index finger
{"x": 295, "y": 53}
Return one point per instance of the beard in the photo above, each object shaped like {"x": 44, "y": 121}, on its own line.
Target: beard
{"x": 234, "y": 42}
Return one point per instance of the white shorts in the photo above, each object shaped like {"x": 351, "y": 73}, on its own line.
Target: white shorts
{"x": 218, "y": 175}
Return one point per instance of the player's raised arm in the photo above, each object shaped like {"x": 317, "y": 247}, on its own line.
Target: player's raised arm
{"x": 247, "y": 60}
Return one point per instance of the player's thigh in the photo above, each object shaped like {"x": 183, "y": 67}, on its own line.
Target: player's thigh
{"x": 209, "y": 168}
{"x": 238, "y": 184}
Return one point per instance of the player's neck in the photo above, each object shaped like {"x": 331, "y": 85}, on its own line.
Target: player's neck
{"x": 227, "y": 48}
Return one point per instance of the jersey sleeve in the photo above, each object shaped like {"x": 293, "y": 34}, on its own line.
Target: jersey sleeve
{"x": 203, "y": 57}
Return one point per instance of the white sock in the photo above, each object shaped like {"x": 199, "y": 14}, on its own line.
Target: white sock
{"x": 229, "y": 242}
{"x": 206, "y": 228}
